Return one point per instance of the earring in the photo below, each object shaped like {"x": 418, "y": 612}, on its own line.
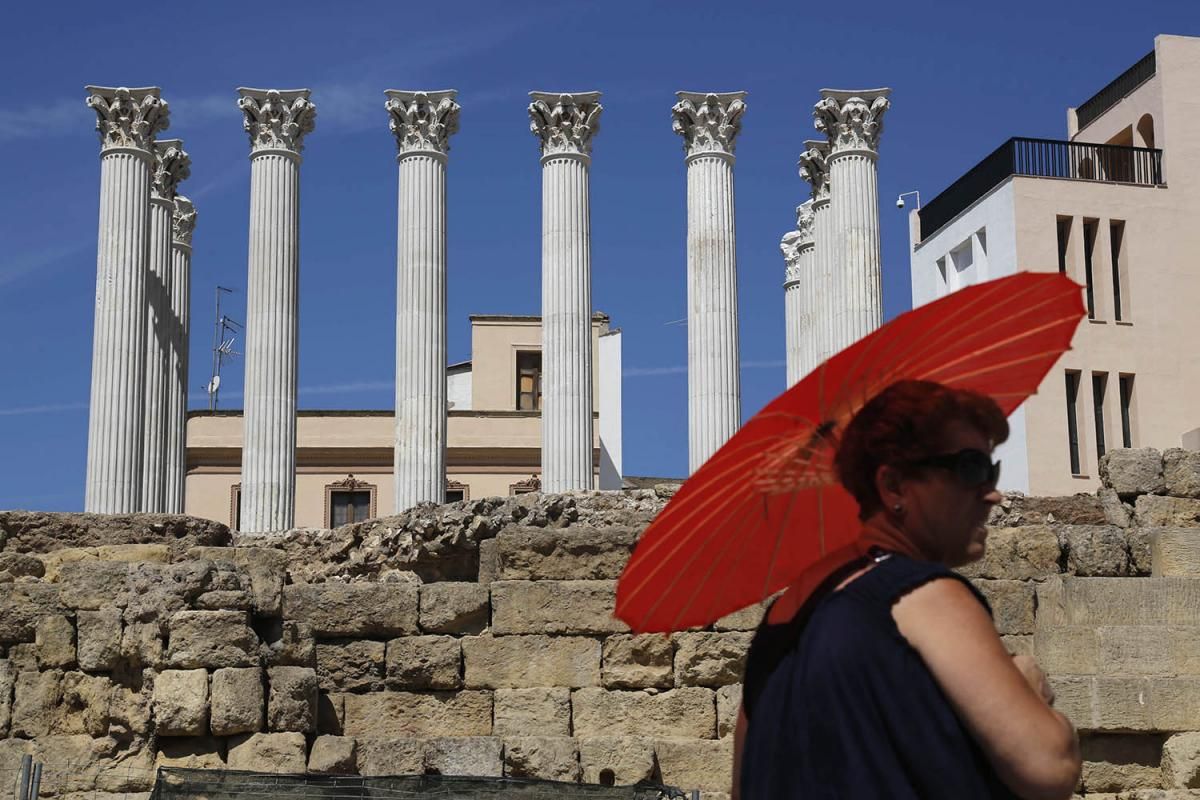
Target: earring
{"x": 898, "y": 509}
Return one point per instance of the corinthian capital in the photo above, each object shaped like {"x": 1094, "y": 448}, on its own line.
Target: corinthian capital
{"x": 128, "y": 117}
{"x": 183, "y": 220}
{"x": 797, "y": 240}
{"x": 814, "y": 167}
{"x": 277, "y": 119}
{"x": 565, "y": 123}
{"x": 171, "y": 166}
{"x": 422, "y": 121}
{"x": 708, "y": 123}
{"x": 852, "y": 120}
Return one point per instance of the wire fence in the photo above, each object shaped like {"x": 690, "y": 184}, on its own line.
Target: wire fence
{"x": 80, "y": 780}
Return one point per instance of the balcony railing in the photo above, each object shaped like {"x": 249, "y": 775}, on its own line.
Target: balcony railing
{"x": 1122, "y": 85}
{"x": 1042, "y": 158}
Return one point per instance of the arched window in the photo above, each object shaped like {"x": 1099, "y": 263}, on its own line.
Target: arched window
{"x": 1145, "y": 129}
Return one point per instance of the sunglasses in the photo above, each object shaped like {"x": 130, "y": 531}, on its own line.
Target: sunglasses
{"x": 974, "y": 468}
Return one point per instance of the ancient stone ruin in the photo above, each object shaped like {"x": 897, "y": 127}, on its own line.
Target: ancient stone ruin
{"x": 477, "y": 638}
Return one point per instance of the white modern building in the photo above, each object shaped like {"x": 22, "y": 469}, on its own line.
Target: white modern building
{"x": 1116, "y": 207}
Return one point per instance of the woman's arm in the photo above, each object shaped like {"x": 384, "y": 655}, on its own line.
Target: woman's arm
{"x": 1033, "y": 748}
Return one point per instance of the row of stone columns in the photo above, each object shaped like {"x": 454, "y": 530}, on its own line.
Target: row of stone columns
{"x": 844, "y": 285}
{"x": 135, "y": 436}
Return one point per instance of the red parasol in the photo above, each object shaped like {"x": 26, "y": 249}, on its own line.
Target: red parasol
{"x": 768, "y": 504}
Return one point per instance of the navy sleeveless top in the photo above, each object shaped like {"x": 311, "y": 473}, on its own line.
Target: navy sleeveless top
{"x": 850, "y": 711}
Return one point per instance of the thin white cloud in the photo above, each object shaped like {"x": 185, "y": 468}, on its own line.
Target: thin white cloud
{"x": 348, "y": 388}
{"x": 49, "y": 408}
{"x": 681, "y": 369}
{"x": 25, "y": 263}
{"x": 55, "y": 118}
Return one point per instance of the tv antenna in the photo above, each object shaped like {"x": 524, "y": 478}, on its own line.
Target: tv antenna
{"x": 225, "y": 331}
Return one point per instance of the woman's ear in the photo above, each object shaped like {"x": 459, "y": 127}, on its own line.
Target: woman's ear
{"x": 887, "y": 485}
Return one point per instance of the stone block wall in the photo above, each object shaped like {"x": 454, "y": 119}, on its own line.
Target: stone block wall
{"x": 477, "y": 638}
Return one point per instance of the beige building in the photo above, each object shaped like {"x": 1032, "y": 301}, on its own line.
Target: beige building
{"x": 344, "y": 458}
{"x": 1116, "y": 206}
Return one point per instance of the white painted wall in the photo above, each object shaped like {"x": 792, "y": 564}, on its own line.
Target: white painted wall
{"x": 458, "y": 389}
{"x": 978, "y": 245}
{"x": 611, "y": 470}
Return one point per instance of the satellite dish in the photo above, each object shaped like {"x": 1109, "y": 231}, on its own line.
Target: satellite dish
{"x": 214, "y": 384}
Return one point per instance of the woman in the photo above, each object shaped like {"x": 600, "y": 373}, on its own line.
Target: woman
{"x": 879, "y": 673}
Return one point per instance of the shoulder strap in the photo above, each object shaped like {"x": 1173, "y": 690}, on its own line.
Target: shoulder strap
{"x": 772, "y": 643}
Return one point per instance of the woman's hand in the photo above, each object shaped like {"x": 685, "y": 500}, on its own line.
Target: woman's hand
{"x": 1035, "y": 677}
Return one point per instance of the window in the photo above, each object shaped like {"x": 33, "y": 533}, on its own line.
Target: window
{"x": 1064, "y": 235}
{"x": 235, "y": 506}
{"x": 1126, "y": 388}
{"x": 1099, "y": 386}
{"x": 943, "y": 282}
{"x": 532, "y": 484}
{"x": 529, "y": 380}
{"x": 1089, "y": 245}
{"x": 1073, "y": 420}
{"x": 456, "y": 492}
{"x": 348, "y": 501}
{"x": 1116, "y": 238}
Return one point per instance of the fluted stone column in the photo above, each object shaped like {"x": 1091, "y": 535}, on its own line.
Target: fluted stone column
{"x": 565, "y": 125}
{"x": 183, "y": 222}
{"x": 127, "y": 120}
{"x": 423, "y": 123}
{"x": 709, "y": 124}
{"x": 171, "y": 165}
{"x": 814, "y": 169}
{"x": 798, "y": 298}
{"x": 853, "y": 121}
{"x": 277, "y": 122}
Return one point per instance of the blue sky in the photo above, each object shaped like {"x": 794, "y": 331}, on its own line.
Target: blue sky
{"x": 965, "y": 76}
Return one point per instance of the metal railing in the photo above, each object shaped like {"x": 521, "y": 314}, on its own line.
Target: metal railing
{"x": 1122, "y": 85}
{"x": 1042, "y": 158}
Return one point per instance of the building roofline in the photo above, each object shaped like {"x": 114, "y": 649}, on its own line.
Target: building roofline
{"x": 597, "y": 316}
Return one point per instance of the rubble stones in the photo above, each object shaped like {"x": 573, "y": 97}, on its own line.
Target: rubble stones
{"x": 237, "y": 701}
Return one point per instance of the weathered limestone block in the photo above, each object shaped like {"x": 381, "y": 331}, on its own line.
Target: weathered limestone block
{"x": 424, "y": 662}
{"x": 1067, "y": 649}
{"x": 1011, "y": 602}
{"x": 1117, "y": 601}
{"x": 710, "y": 659}
{"x": 1120, "y": 762}
{"x": 1181, "y": 472}
{"x": 353, "y": 665}
{"x": 400, "y": 714}
{"x": 331, "y": 713}
{"x": 1116, "y": 512}
{"x": 45, "y": 531}
{"x": 8, "y": 679}
{"x": 489, "y": 562}
{"x": 563, "y": 553}
{"x": 1018, "y": 644}
{"x": 267, "y": 752}
{"x": 333, "y": 755}
{"x": 465, "y": 755}
{"x": 266, "y": 568}
{"x": 636, "y": 662}
{"x": 54, "y": 638}
{"x": 1166, "y": 512}
{"x": 555, "y": 607}
{"x": 237, "y": 701}
{"x": 349, "y": 610}
{"x": 191, "y": 753}
{"x": 745, "y": 620}
{"x": 84, "y": 706}
{"x": 1133, "y": 472}
{"x": 212, "y": 639}
{"x": 693, "y": 764}
{"x": 1175, "y": 551}
{"x": 551, "y": 758}
{"x": 503, "y": 662}
{"x": 616, "y": 761}
{"x": 289, "y": 644}
{"x": 142, "y": 644}
{"x": 532, "y": 712}
{"x": 1175, "y": 703}
{"x": 390, "y": 756}
{"x": 19, "y": 565}
{"x": 91, "y": 584}
{"x": 181, "y": 702}
{"x": 687, "y": 712}
{"x": 35, "y": 703}
{"x": 292, "y": 702}
{"x": 1118, "y": 704}
{"x": 1135, "y": 650}
{"x": 99, "y": 639}
{"x": 22, "y": 605}
{"x": 1181, "y": 761}
{"x": 451, "y": 607}
{"x": 1018, "y": 509}
{"x": 1095, "y": 550}
{"x": 729, "y": 702}
{"x": 1140, "y": 550}
{"x": 1021, "y": 553}
{"x": 53, "y": 751}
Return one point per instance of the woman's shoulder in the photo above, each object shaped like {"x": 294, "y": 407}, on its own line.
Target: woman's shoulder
{"x": 898, "y": 575}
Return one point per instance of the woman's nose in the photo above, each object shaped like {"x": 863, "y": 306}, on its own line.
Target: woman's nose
{"x": 993, "y": 496}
